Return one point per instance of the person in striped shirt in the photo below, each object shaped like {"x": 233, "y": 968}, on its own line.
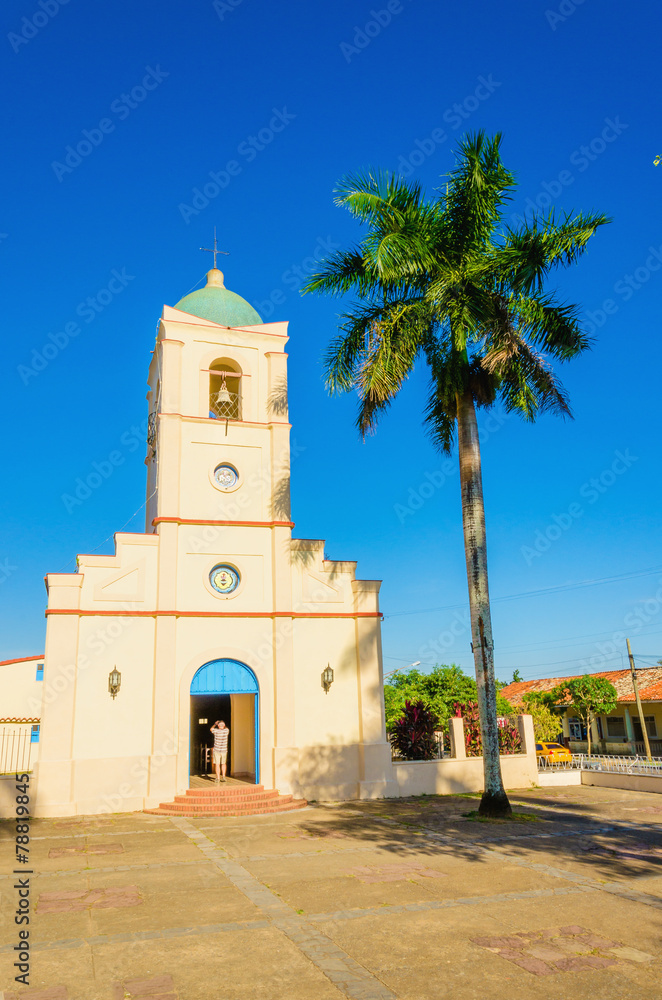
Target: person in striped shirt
{"x": 221, "y": 735}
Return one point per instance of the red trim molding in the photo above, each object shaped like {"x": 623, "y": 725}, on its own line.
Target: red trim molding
{"x": 221, "y": 326}
{"x": 225, "y": 524}
{"x": 213, "y": 614}
{"x": 21, "y": 659}
{"x": 219, "y": 420}
{"x": 7, "y": 722}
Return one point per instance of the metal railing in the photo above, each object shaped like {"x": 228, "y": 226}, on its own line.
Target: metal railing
{"x": 17, "y": 751}
{"x": 618, "y": 763}
{"x": 442, "y": 752}
{"x": 655, "y": 745}
{"x": 228, "y": 407}
{"x": 630, "y": 747}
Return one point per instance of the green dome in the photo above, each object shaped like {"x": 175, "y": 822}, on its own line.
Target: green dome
{"x": 218, "y": 304}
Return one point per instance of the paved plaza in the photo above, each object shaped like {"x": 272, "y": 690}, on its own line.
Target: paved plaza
{"x": 411, "y": 899}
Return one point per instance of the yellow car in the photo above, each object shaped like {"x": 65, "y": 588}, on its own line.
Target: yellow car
{"x": 552, "y": 752}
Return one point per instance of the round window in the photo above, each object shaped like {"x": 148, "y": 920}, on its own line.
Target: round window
{"x": 226, "y": 476}
{"x": 224, "y": 579}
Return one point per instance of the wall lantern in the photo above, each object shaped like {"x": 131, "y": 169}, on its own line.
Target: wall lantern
{"x": 327, "y": 678}
{"x": 114, "y": 681}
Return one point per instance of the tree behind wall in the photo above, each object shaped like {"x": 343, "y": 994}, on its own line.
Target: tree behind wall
{"x": 546, "y": 722}
{"x": 589, "y": 697}
{"x": 439, "y": 691}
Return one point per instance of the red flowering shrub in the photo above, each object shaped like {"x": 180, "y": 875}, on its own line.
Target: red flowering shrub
{"x": 413, "y": 734}
{"x": 510, "y": 740}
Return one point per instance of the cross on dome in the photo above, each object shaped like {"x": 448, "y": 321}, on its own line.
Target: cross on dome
{"x": 215, "y": 249}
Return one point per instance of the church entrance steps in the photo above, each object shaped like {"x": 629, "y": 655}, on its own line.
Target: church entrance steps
{"x": 240, "y": 799}
{"x": 226, "y": 790}
{"x": 236, "y": 800}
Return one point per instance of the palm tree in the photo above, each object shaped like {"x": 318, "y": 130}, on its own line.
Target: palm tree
{"x": 436, "y": 280}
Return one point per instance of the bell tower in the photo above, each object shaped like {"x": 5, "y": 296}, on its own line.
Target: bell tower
{"x": 218, "y": 433}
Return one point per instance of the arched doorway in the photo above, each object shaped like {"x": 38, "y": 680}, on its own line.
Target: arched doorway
{"x": 228, "y": 690}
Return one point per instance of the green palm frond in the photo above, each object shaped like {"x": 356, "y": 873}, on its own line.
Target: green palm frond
{"x": 449, "y": 378}
{"x": 365, "y": 355}
{"x": 526, "y": 382}
{"x": 477, "y": 188}
{"x": 531, "y": 252}
{"x": 343, "y": 271}
{"x": 391, "y": 350}
{"x": 370, "y": 194}
{"x": 439, "y": 277}
{"x": 551, "y": 326}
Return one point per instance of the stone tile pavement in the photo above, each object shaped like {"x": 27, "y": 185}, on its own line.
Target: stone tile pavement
{"x": 390, "y": 900}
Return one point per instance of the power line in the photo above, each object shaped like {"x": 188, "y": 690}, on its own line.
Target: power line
{"x": 607, "y": 634}
{"x": 543, "y": 592}
{"x": 608, "y": 657}
{"x": 549, "y": 643}
{"x": 561, "y": 642}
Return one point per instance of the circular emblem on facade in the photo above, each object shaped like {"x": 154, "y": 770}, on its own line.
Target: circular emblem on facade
{"x": 226, "y": 476}
{"x": 224, "y": 579}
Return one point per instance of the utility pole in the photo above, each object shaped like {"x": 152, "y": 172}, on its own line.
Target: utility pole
{"x": 638, "y": 699}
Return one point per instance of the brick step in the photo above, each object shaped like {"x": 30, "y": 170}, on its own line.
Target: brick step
{"x": 168, "y": 809}
{"x": 220, "y": 804}
{"x": 225, "y": 806}
{"x": 226, "y": 793}
{"x": 223, "y": 800}
{"x": 214, "y": 789}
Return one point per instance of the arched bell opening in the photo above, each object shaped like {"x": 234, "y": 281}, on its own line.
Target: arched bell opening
{"x": 225, "y": 390}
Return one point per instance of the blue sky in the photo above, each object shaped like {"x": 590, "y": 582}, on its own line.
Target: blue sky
{"x": 92, "y": 246}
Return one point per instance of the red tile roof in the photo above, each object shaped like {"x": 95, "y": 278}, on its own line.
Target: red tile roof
{"x": 649, "y": 680}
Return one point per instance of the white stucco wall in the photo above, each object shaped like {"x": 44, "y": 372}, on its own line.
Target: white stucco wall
{"x": 20, "y": 691}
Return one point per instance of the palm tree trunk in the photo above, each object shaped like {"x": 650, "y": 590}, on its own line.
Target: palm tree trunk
{"x": 494, "y": 801}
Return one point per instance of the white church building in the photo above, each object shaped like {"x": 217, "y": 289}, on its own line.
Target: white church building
{"x": 216, "y": 611}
